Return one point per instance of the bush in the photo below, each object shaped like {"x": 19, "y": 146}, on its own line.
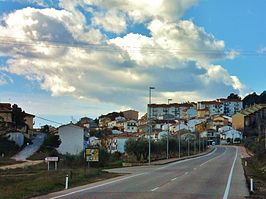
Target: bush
{"x": 7, "y": 147}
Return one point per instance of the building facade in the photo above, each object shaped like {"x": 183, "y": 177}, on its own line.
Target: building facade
{"x": 231, "y": 106}
{"x": 72, "y": 139}
{"x": 174, "y": 111}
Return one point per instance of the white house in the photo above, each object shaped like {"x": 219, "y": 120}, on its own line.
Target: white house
{"x": 111, "y": 124}
{"x": 232, "y": 135}
{"x": 131, "y": 126}
{"x": 72, "y": 139}
{"x": 224, "y": 129}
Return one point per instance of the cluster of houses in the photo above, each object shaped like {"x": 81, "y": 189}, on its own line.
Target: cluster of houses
{"x": 220, "y": 121}
{"x": 211, "y": 120}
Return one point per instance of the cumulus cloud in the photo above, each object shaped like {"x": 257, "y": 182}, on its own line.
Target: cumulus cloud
{"x": 68, "y": 55}
{"x": 112, "y": 21}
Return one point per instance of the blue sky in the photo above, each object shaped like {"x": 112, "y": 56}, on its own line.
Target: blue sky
{"x": 189, "y": 50}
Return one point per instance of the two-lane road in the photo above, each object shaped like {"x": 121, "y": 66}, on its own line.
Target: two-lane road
{"x": 216, "y": 175}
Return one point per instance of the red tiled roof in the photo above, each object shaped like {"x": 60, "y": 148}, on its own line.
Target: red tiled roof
{"x": 172, "y": 105}
{"x": 211, "y": 102}
{"x": 5, "y": 107}
{"x": 229, "y": 100}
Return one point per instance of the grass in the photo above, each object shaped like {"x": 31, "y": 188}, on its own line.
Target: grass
{"x": 256, "y": 169}
{"x": 34, "y": 181}
{"x": 7, "y": 161}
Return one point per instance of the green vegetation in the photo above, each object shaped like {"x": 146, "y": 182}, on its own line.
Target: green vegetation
{"x": 256, "y": 165}
{"x": 34, "y": 181}
{"x": 137, "y": 150}
{"x": 7, "y": 147}
{"x": 254, "y": 98}
{"x": 48, "y": 148}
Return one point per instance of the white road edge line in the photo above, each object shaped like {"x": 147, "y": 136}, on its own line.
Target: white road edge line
{"x": 96, "y": 186}
{"x": 173, "y": 179}
{"x": 155, "y": 189}
{"x": 186, "y": 160}
{"x": 213, "y": 158}
{"x": 228, "y": 185}
{"x": 186, "y": 173}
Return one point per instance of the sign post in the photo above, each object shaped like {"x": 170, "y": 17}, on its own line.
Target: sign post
{"x": 51, "y": 159}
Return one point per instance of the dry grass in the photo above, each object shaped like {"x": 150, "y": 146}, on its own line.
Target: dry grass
{"x": 34, "y": 181}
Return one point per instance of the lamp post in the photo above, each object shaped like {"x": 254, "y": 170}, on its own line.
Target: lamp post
{"x": 167, "y": 115}
{"x": 179, "y": 138}
{"x": 150, "y": 124}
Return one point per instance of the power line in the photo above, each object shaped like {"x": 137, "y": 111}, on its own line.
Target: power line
{"x": 48, "y": 120}
{"x": 113, "y": 48}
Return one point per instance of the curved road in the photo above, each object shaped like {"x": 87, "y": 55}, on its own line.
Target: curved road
{"x": 216, "y": 175}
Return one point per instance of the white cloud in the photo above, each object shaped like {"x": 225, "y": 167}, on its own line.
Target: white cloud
{"x": 262, "y": 50}
{"x": 68, "y": 56}
{"x": 232, "y": 54}
{"x": 112, "y": 21}
{"x": 5, "y": 79}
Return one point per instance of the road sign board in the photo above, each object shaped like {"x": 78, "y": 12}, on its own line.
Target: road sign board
{"x": 51, "y": 159}
{"x": 92, "y": 154}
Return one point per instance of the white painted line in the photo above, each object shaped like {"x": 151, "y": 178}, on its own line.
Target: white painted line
{"x": 96, "y": 186}
{"x": 186, "y": 173}
{"x": 186, "y": 160}
{"x": 195, "y": 168}
{"x": 155, "y": 189}
{"x": 173, "y": 179}
{"x": 213, "y": 158}
{"x": 228, "y": 185}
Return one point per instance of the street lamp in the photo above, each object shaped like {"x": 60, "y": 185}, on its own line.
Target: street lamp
{"x": 167, "y": 149}
{"x": 150, "y": 124}
{"x": 179, "y": 138}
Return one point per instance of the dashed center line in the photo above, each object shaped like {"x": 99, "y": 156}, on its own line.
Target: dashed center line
{"x": 195, "y": 168}
{"x": 186, "y": 173}
{"x": 173, "y": 179}
{"x": 155, "y": 189}
{"x": 213, "y": 158}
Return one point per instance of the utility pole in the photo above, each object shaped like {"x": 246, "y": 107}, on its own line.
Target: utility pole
{"x": 167, "y": 147}
{"x": 199, "y": 142}
{"x": 194, "y": 146}
{"x": 150, "y": 123}
{"x": 188, "y": 145}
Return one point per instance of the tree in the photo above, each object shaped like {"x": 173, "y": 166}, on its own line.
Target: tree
{"x": 52, "y": 141}
{"x": 18, "y": 116}
{"x": 45, "y": 129}
{"x": 233, "y": 96}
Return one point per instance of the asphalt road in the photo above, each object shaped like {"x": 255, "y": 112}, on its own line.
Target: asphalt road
{"x": 216, "y": 175}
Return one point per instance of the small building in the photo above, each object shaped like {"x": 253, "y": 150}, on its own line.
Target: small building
{"x": 72, "y": 139}
{"x": 231, "y": 135}
{"x": 29, "y": 120}
{"x": 250, "y": 120}
{"x": 5, "y": 112}
{"x": 131, "y": 126}
{"x": 87, "y": 123}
